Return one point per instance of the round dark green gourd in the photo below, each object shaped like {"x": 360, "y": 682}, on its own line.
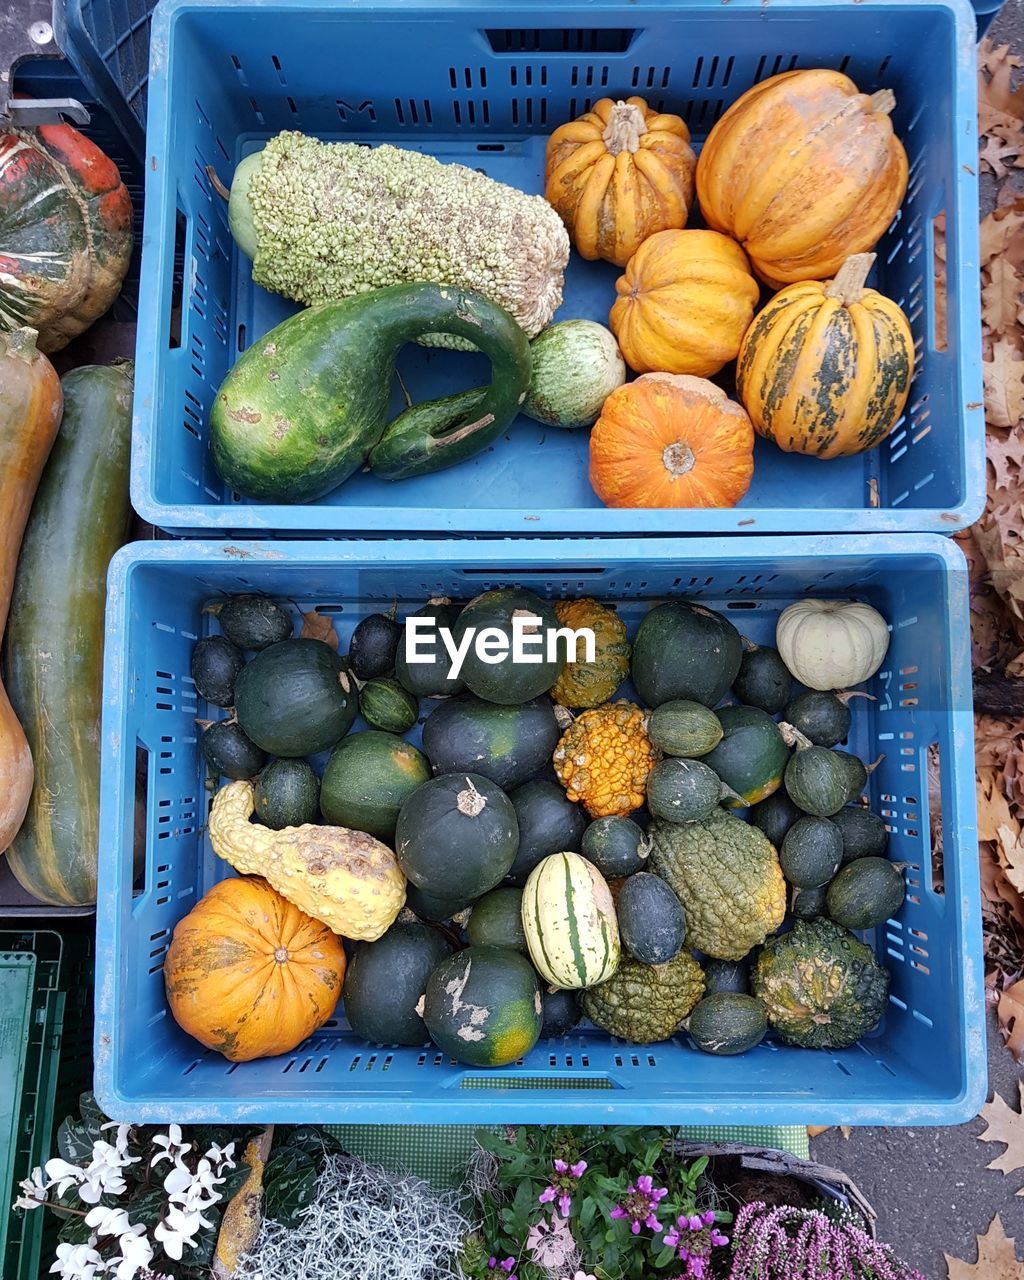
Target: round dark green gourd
{"x": 652, "y": 923}
{"x": 684, "y": 650}
{"x": 684, "y": 728}
{"x": 821, "y": 716}
{"x": 385, "y": 981}
{"x": 817, "y": 781}
{"x": 508, "y": 744}
{"x": 775, "y": 816}
{"x": 367, "y": 780}
{"x": 806, "y": 904}
{"x": 751, "y": 757}
{"x": 435, "y": 907}
{"x": 864, "y": 833}
{"x": 856, "y": 774}
{"x": 811, "y": 852}
{"x": 683, "y": 790}
{"x": 429, "y": 677}
{"x": 253, "y": 621}
{"x": 727, "y": 1022}
{"x": 507, "y": 681}
{"x": 374, "y": 646}
{"x": 286, "y": 794}
{"x": 386, "y": 705}
{"x": 764, "y": 680}
{"x": 296, "y": 698}
{"x": 215, "y": 665}
{"x": 497, "y": 920}
{"x": 496, "y": 1018}
{"x": 562, "y": 1012}
{"x": 548, "y": 823}
{"x": 616, "y": 846}
{"x": 866, "y": 893}
{"x": 457, "y": 836}
{"x": 229, "y": 753}
{"x": 727, "y": 975}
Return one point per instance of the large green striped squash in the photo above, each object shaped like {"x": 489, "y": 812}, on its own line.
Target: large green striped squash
{"x": 569, "y": 920}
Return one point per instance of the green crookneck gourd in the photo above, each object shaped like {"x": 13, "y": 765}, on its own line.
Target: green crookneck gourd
{"x": 306, "y": 405}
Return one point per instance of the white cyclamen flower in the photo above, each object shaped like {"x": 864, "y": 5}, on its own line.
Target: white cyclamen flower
{"x": 205, "y": 1179}
{"x": 178, "y": 1229}
{"x": 222, "y": 1157}
{"x": 136, "y": 1253}
{"x": 173, "y": 1148}
{"x": 178, "y": 1180}
{"x": 78, "y": 1262}
{"x": 33, "y": 1190}
{"x": 121, "y": 1142}
{"x": 62, "y": 1175}
{"x": 107, "y": 1222}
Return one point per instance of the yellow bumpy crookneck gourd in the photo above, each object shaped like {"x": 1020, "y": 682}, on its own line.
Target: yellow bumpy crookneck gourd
{"x": 347, "y": 879}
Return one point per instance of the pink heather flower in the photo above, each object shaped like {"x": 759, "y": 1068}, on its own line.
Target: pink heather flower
{"x": 640, "y": 1204}
{"x": 563, "y": 1184}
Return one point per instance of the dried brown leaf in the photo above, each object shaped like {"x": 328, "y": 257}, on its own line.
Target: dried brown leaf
{"x": 1001, "y": 298}
{"x": 1011, "y": 851}
{"x": 318, "y": 626}
{"x": 1004, "y": 385}
{"x": 1010, "y": 1011}
{"x": 1002, "y": 234}
{"x": 993, "y": 806}
{"x": 996, "y": 81}
{"x": 1000, "y": 154}
{"x": 1005, "y": 453}
{"x": 997, "y": 1258}
{"x": 1006, "y": 1126}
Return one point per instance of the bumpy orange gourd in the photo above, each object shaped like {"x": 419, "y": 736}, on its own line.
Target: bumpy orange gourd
{"x": 604, "y": 757}
{"x": 684, "y": 303}
{"x": 825, "y": 368}
{"x": 618, "y": 174}
{"x": 250, "y": 975}
{"x": 803, "y": 170}
{"x": 670, "y": 440}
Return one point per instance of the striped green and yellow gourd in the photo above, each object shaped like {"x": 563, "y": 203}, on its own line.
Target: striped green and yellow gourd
{"x": 570, "y": 923}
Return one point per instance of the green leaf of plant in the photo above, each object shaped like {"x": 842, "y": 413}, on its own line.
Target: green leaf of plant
{"x": 74, "y": 1142}
{"x": 74, "y": 1231}
{"x": 664, "y": 1256}
{"x": 289, "y": 1184}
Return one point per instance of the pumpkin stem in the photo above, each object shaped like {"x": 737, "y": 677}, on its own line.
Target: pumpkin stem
{"x": 870, "y": 768}
{"x": 678, "y": 458}
{"x": 845, "y": 696}
{"x": 884, "y": 101}
{"x": 792, "y": 736}
{"x": 625, "y": 128}
{"x": 563, "y": 716}
{"x": 21, "y": 343}
{"x": 470, "y": 802}
{"x": 219, "y": 186}
{"x": 848, "y": 285}
{"x": 748, "y": 645}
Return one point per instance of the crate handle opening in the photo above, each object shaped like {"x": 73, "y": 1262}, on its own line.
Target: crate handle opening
{"x": 940, "y": 295}
{"x": 177, "y": 280}
{"x": 141, "y": 822}
{"x": 514, "y": 571}
{"x": 571, "y": 40}
{"x": 933, "y": 761}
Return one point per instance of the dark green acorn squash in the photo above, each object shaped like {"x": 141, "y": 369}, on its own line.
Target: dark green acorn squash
{"x": 685, "y": 650}
{"x": 817, "y": 781}
{"x": 652, "y": 924}
{"x": 286, "y": 794}
{"x": 683, "y": 728}
{"x": 367, "y": 780}
{"x": 775, "y": 816}
{"x": 856, "y": 774}
{"x": 435, "y": 907}
{"x": 727, "y": 1023}
{"x": 457, "y": 836}
{"x": 811, "y": 853}
{"x": 386, "y": 980}
{"x": 296, "y": 698}
{"x": 821, "y": 716}
{"x": 229, "y": 753}
{"x": 374, "y": 646}
{"x": 806, "y": 904}
{"x": 822, "y": 987}
{"x": 548, "y": 823}
{"x": 497, "y": 920}
{"x": 215, "y": 665}
{"x": 508, "y": 744}
{"x": 866, "y": 893}
{"x": 683, "y": 790}
{"x": 507, "y": 681}
{"x": 252, "y": 621}
{"x": 864, "y": 833}
{"x": 727, "y": 975}
{"x": 562, "y": 1013}
{"x": 616, "y": 846}
{"x": 386, "y": 705}
{"x": 764, "y": 680}
{"x": 483, "y": 1006}
{"x": 430, "y": 677}
{"x": 751, "y": 757}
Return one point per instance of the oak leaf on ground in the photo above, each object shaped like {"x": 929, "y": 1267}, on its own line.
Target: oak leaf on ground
{"x": 1006, "y": 1126}
{"x": 997, "y": 1258}
{"x": 318, "y": 626}
{"x": 1010, "y": 1011}
{"x": 1004, "y": 384}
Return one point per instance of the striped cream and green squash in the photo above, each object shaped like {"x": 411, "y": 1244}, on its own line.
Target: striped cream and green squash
{"x": 570, "y": 924}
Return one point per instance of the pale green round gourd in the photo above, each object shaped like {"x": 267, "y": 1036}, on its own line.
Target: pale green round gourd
{"x": 569, "y": 919}
{"x": 576, "y": 366}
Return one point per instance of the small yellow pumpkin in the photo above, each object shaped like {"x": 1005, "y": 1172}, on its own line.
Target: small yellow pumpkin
{"x": 604, "y": 758}
{"x": 588, "y": 684}
{"x": 825, "y": 368}
{"x": 618, "y": 174}
{"x": 684, "y": 303}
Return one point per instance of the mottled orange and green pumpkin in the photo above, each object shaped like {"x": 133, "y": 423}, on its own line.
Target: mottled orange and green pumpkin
{"x": 588, "y": 684}
{"x": 604, "y": 758}
{"x": 825, "y": 368}
{"x": 65, "y": 232}
{"x": 249, "y": 974}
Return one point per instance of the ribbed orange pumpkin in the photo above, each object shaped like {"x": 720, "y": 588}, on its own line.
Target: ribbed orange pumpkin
{"x": 671, "y": 440}
{"x": 825, "y": 368}
{"x": 803, "y": 170}
{"x": 684, "y": 303}
{"x": 250, "y": 975}
{"x": 618, "y": 174}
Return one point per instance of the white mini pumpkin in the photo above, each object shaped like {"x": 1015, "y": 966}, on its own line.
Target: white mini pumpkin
{"x": 831, "y": 644}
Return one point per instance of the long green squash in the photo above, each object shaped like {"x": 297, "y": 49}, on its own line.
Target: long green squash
{"x": 54, "y": 642}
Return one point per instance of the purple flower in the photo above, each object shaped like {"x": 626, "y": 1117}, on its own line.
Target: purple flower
{"x": 640, "y": 1204}
{"x": 507, "y": 1265}
{"x": 693, "y": 1237}
{"x": 563, "y": 1184}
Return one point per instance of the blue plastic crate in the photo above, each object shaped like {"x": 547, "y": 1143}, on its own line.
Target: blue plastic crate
{"x": 926, "y": 1063}
{"x": 470, "y": 83}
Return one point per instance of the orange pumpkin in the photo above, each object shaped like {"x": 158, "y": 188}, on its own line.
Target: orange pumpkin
{"x": 684, "y": 303}
{"x": 250, "y": 975}
{"x": 671, "y": 440}
{"x": 618, "y": 174}
{"x": 803, "y": 170}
